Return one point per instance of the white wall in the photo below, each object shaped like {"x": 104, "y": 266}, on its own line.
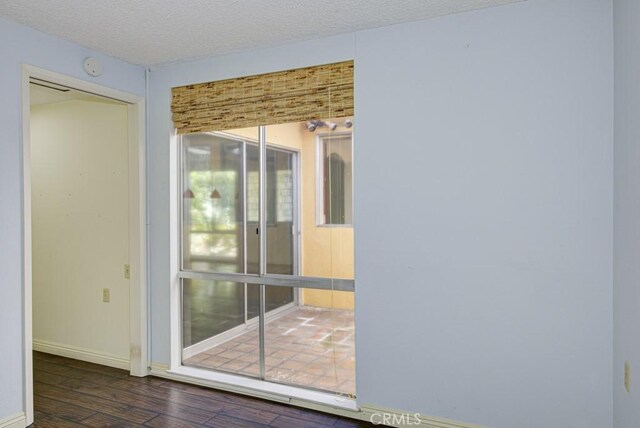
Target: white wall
{"x": 484, "y": 276}
{"x": 80, "y": 218}
{"x": 626, "y": 290}
{"x": 23, "y": 45}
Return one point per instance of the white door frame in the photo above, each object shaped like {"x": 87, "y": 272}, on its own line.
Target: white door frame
{"x": 137, "y": 222}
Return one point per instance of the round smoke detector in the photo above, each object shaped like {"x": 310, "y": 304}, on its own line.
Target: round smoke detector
{"x": 92, "y": 66}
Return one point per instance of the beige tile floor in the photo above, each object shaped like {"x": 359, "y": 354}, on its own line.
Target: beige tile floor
{"x": 309, "y": 347}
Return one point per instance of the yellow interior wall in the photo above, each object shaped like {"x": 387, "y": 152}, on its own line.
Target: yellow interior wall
{"x": 326, "y": 251}
{"x": 80, "y": 219}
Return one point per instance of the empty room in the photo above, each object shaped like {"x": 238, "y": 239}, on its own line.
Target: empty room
{"x": 320, "y": 214}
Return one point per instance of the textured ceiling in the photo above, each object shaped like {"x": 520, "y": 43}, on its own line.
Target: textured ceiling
{"x": 159, "y": 31}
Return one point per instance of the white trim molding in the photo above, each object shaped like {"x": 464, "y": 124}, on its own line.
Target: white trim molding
{"x": 16, "y": 421}
{"x": 81, "y": 354}
{"x": 253, "y": 387}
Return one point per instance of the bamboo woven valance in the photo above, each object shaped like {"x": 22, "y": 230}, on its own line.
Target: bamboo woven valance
{"x": 323, "y": 91}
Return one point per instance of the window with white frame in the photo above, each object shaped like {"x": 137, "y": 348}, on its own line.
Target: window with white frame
{"x": 335, "y": 179}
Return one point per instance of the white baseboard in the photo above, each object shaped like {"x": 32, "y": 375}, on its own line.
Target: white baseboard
{"x": 367, "y": 412}
{"x": 81, "y": 354}
{"x": 16, "y": 421}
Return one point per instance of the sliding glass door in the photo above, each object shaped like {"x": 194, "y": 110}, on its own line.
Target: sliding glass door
{"x": 280, "y": 213}
{"x": 267, "y": 253}
{"x": 221, "y": 230}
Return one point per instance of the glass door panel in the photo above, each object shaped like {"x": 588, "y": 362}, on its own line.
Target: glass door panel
{"x": 214, "y": 334}
{"x": 210, "y": 308}
{"x": 252, "y": 178}
{"x": 280, "y": 224}
{"x": 313, "y": 346}
{"x": 280, "y": 212}
{"x": 221, "y": 189}
{"x": 213, "y": 203}
{"x": 214, "y": 241}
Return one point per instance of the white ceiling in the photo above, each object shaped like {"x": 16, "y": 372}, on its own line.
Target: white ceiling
{"x": 151, "y": 32}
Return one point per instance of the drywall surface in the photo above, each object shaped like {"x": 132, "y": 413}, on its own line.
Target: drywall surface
{"x": 626, "y": 290}
{"x": 80, "y": 218}
{"x": 483, "y": 209}
{"x": 496, "y": 171}
{"x": 23, "y": 45}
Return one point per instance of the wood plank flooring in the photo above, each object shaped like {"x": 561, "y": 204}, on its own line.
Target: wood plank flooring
{"x": 72, "y": 393}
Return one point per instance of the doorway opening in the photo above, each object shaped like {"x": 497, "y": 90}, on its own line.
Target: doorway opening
{"x": 84, "y": 224}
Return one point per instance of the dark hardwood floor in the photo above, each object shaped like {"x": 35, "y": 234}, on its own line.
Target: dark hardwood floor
{"x": 72, "y": 393}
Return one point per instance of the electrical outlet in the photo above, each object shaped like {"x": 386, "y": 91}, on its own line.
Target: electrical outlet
{"x": 627, "y": 376}
{"x": 127, "y": 271}
{"x": 106, "y": 295}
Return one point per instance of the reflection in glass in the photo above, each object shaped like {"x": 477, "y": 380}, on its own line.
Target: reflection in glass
{"x": 210, "y": 308}
{"x": 313, "y": 347}
{"x": 214, "y": 332}
{"x": 313, "y": 344}
{"x": 280, "y": 224}
{"x": 212, "y": 204}
{"x": 336, "y": 175}
{"x": 221, "y": 188}
{"x": 280, "y": 212}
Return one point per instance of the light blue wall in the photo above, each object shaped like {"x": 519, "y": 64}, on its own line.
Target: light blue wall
{"x": 627, "y": 212}
{"x": 484, "y": 213}
{"x": 484, "y": 190}
{"x": 19, "y": 44}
